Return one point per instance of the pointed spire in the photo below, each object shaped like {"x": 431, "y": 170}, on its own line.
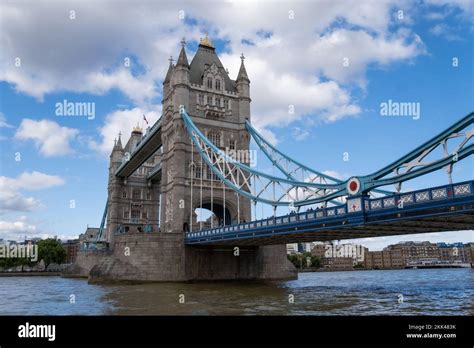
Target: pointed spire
{"x": 170, "y": 71}
{"x": 119, "y": 141}
{"x": 242, "y": 72}
{"x": 182, "y": 59}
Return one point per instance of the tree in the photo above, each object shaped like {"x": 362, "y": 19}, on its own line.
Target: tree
{"x": 315, "y": 261}
{"x": 294, "y": 260}
{"x": 51, "y": 251}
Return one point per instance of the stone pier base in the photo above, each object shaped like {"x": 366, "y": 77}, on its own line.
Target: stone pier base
{"x": 85, "y": 261}
{"x": 163, "y": 257}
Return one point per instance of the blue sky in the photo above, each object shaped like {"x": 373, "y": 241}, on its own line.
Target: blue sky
{"x": 297, "y": 61}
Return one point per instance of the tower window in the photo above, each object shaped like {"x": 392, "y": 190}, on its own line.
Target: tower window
{"x": 218, "y": 84}
{"x": 148, "y": 195}
{"x": 198, "y": 173}
{"x": 218, "y": 101}
{"x": 135, "y": 214}
{"x": 209, "y": 83}
{"x": 137, "y": 194}
{"x": 226, "y": 104}
{"x": 214, "y": 138}
{"x": 125, "y": 214}
{"x": 231, "y": 144}
{"x": 201, "y": 99}
{"x": 124, "y": 194}
{"x": 211, "y": 175}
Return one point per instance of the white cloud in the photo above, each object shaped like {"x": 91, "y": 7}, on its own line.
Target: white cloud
{"x": 299, "y": 134}
{"x": 21, "y": 227}
{"x": 287, "y": 58}
{"x": 10, "y": 188}
{"x": 3, "y": 122}
{"x": 32, "y": 181}
{"x": 336, "y": 174}
{"x": 15, "y": 229}
{"x": 344, "y": 55}
{"x": 466, "y": 6}
{"x": 49, "y": 137}
{"x": 122, "y": 121}
{"x": 445, "y": 31}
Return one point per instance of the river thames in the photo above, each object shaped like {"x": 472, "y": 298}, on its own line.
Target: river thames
{"x": 384, "y": 292}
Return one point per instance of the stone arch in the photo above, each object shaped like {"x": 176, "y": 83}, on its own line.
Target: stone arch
{"x": 217, "y": 208}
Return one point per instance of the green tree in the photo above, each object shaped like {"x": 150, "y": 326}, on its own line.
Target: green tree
{"x": 51, "y": 251}
{"x": 294, "y": 260}
{"x": 315, "y": 261}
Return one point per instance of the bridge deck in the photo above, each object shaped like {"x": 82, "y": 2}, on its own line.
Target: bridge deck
{"x": 144, "y": 150}
{"x": 444, "y": 208}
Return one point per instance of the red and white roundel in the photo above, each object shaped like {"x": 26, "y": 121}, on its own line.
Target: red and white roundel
{"x": 353, "y": 186}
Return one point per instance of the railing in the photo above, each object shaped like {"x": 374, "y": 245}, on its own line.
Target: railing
{"x": 364, "y": 205}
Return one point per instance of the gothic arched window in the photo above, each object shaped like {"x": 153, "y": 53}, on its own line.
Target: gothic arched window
{"x": 218, "y": 84}
{"x": 209, "y": 82}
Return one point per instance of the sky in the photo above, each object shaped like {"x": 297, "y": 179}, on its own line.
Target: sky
{"x": 331, "y": 62}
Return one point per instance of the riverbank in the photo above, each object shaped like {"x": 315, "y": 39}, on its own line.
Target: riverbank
{"x": 29, "y": 274}
{"x": 307, "y": 270}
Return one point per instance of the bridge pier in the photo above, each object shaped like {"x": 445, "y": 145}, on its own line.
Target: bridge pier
{"x": 163, "y": 257}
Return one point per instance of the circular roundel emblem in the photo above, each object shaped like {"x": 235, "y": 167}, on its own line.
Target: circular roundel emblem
{"x": 353, "y": 186}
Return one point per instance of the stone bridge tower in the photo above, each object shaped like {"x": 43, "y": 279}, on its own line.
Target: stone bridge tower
{"x": 147, "y": 246}
{"x": 219, "y": 106}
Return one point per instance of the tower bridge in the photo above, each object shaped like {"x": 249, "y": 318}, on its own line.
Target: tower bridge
{"x": 150, "y": 230}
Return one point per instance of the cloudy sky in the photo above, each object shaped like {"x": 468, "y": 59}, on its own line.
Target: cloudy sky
{"x": 332, "y": 61}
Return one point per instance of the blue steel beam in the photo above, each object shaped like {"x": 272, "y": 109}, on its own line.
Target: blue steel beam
{"x": 191, "y": 127}
{"x": 264, "y": 145}
{"x": 339, "y": 189}
{"x": 196, "y": 136}
{"x": 449, "y": 207}
{"x": 374, "y": 179}
{"x": 100, "y": 234}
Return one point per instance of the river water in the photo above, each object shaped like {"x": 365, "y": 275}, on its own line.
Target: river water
{"x": 394, "y": 292}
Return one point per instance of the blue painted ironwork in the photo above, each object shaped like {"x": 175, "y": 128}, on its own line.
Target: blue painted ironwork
{"x": 100, "y": 235}
{"x": 217, "y": 160}
{"x": 325, "y": 192}
{"x": 447, "y": 200}
{"x": 412, "y": 162}
{"x": 279, "y": 160}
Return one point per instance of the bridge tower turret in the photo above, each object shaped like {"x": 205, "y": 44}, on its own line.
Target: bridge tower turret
{"x": 114, "y": 185}
{"x": 243, "y": 89}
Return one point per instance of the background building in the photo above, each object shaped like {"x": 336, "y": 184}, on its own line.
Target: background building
{"x": 72, "y": 247}
{"x": 385, "y": 259}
